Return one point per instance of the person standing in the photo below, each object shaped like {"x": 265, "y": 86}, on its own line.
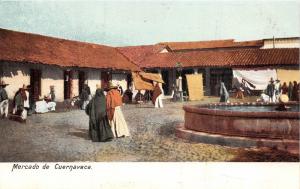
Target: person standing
{"x": 3, "y": 100}
{"x": 157, "y": 96}
{"x": 290, "y": 90}
{"x": 85, "y": 96}
{"x": 271, "y": 90}
{"x": 284, "y": 88}
{"x": 295, "y": 92}
{"x": 21, "y": 103}
{"x": 277, "y": 88}
{"x": 99, "y": 128}
{"x": 114, "y": 112}
{"x": 224, "y": 95}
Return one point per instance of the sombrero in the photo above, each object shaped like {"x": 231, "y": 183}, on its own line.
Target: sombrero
{"x": 2, "y": 83}
{"x": 112, "y": 86}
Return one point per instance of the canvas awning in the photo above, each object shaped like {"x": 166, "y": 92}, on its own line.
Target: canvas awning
{"x": 258, "y": 78}
{"x": 143, "y": 81}
{"x": 152, "y": 76}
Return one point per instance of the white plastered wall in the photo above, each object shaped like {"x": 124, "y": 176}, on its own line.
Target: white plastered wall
{"x": 93, "y": 78}
{"x": 120, "y": 78}
{"x": 52, "y": 75}
{"x": 15, "y": 75}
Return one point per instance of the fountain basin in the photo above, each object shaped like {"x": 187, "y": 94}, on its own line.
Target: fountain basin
{"x": 243, "y": 125}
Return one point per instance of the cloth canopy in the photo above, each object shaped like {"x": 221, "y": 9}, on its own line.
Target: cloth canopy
{"x": 152, "y": 76}
{"x": 259, "y": 78}
{"x": 143, "y": 81}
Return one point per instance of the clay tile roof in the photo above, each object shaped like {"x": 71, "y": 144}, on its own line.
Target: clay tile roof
{"x": 138, "y": 53}
{"x": 194, "y": 45}
{"x": 33, "y": 48}
{"x": 233, "y": 58}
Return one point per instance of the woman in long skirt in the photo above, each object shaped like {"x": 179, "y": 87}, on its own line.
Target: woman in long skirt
{"x": 99, "y": 128}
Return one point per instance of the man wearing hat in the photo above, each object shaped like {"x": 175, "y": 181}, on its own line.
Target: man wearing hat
{"x": 277, "y": 87}
{"x": 271, "y": 90}
{"x": 3, "y": 100}
{"x": 114, "y": 112}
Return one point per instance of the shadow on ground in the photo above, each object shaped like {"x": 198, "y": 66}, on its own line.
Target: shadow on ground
{"x": 81, "y": 133}
{"x": 264, "y": 155}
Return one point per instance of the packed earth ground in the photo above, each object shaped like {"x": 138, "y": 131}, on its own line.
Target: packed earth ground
{"x": 63, "y": 136}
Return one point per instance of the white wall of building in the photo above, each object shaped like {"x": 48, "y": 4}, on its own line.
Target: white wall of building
{"x": 16, "y": 75}
{"x": 281, "y": 43}
{"x": 120, "y": 78}
{"x": 75, "y": 84}
{"x": 52, "y": 75}
{"x": 93, "y": 78}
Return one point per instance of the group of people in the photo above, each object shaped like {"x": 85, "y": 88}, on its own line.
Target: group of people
{"x": 274, "y": 90}
{"x": 24, "y": 104}
{"x": 106, "y": 120}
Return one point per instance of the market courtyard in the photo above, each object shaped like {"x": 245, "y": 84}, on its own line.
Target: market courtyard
{"x": 63, "y": 136}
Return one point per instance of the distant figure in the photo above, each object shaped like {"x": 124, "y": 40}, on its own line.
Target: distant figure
{"x": 31, "y": 101}
{"x": 295, "y": 92}
{"x": 99, "y": 128}
{"x": 3, "y": 100}
{"x": 157, "y": 96}
{"x": 282, "y": 100}
{"x": 85, "y": 96}
{"x": 127, "y": 97}
{"x": 290, "y": 90}
{"x": 277, "y": 88}
{"x": 47, "y": 104}
{"x": 224, "y": 95}
{"x": 271, "y": 90}
{"x": 284, "y": 88}
{"x": 21, "y": 103}
{"x": 114, "y": 112}
{"x": 120, "y": 89}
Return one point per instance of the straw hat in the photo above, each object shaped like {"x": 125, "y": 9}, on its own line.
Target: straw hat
{"x": 283, "y": 98}
{"x": 2, "y": 83}
{"x": 98, "y": 86}
{"x": 112, "y": 86}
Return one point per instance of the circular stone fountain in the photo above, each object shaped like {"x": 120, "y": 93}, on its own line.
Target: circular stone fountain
{"x": 243, "y": 125}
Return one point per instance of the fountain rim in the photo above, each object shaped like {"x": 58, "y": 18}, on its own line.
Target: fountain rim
{"x": 204, "y": 109}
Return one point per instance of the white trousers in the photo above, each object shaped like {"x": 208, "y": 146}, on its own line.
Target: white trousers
{"x": 158, "y": 102}
{"x": 24, "y": 114}
{"x": 4, "y": 108}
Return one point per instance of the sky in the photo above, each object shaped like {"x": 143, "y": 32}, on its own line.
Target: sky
{"x": 125, "y": 23}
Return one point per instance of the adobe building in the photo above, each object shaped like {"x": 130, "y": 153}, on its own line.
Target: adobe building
{"x": 41, "y": 61}
{"x": 216, "y": 60}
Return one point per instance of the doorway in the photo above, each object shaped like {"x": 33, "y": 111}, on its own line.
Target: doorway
{"x": 81, "y": 80}
{"x": 67, "y": 84}
{"x": 165, "y": 77}
{"x": 35, "y": 83}
{"x": 105, "y": 78}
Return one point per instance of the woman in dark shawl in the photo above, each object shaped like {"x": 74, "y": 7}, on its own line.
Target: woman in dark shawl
{"x": 99, "y": 128}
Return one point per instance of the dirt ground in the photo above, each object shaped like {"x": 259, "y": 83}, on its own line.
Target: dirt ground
{"x": 63, "y": 136}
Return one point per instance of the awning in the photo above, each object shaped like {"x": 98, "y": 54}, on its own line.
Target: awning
{"x": 144, "y": 81}
{"x": 258, "y": 78}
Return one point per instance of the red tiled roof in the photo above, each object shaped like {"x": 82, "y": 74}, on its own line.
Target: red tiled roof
{"x": 138, "y": 53}
{"x": 244, "y": 57}
{"x": 25, "y": 47}
{"x": 228, "y": 43}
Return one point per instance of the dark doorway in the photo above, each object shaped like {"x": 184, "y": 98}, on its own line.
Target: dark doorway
{"x": 129, "y": 80}
{"x": 105, "y": 78}
{"x": 35, "y": 83}
{"x": 218, "y": 75}
{"x": 165, "y": 77}
{"x": 81, "y": 80}
{"x": 67, "y": 84}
